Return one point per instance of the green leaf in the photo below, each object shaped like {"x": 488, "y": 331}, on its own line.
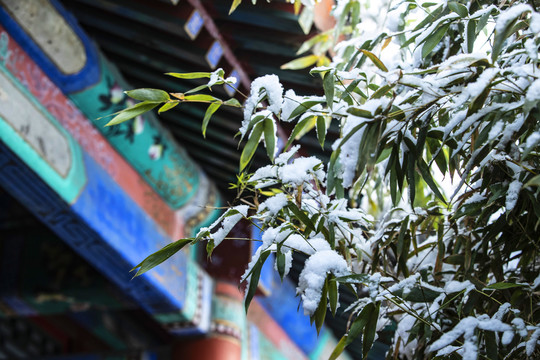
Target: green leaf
{"x": 201, "y": 97}
{"x": 535, "y": 181}
{"x": 306, "y": 19}
{"x": 308, "y": 44}
{"x": 321, "y": 130}
{"x": 131, "y": 112}
{"x": 210, "y": 246}
{"x": 300, "y": 63}
{"x": 502, "y": 34}
{"x": 458, "y": 8}
{"x": 369, "y": 331}
{"x": 160, "y": 256}
{"x": 426, "y": 174}
{"x": 150, "y": 95}
{"x": 270, "y": 137}
{"x": 383, "y": 90}
{"x": 492, "y": 349}
{"x": 303, "y": 107}
{"x": 354, "y": 279}
{"x": 411, "y": 180}
{"x": 234, "y": 6}
{"x": 354, "y": 331}
{"x": 280, "y": 264}
{"x": 232, "y": 102}
{"x": 198, "y": 88}
{"x": 332, "y": 293}
{"x": 433, "y": 40}
{"x": 360, "y": 112}
{"x": 212, "y": 108}
{"x": 328, "y": 85}
{"x": 471, "y": 35}
{"x": 301, "y": 216}
{"x": 503, "y": 285}
{"x": 251, "y": 145}
{"x": 168, "y": 106}
{"x": 300, "y": 126}
{"x": 255, "y": 275}
{"x": 378, "y": 63}
{"x": 193, "y": 75}
{"x": 320, "y": 312}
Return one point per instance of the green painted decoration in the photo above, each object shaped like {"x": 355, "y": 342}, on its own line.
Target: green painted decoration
{"x": 142, "y": 141}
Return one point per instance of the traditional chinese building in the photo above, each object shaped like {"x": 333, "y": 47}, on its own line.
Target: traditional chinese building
{"x": 82, "y": 204}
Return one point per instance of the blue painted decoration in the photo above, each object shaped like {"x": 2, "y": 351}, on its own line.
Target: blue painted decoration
{"x": 194, "y": 24}
{"x": 214, "y": 54}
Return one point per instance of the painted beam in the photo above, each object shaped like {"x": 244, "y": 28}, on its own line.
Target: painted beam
{"x": 85, "y": 206}
{"x": 97, "y": 91}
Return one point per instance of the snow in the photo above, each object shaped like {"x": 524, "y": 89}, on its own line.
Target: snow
{"x": 509, "y": 15}
{"x": 457, "y": 286}
{"x": 535, "y": 23}
{"x": 533, "y": 93}
{"x": 467, "y": 328}
{"x": 290, "y": 102}
{"x": 512, "y": 194}
{"x": 475, "y": 198}
{"x": 215, "y": 77}
{"x": 228, "y": 220}
{"x": 496, "y": 130}
{"x": 532, "y": 342}
{"x": 536, "y": 282}
{"x": 301, "y": 170}
{"x": 533, "y": 139}
{"x": 313, "y": 276}
{"x": 268, "y": 86}
{"x": 274, "y": 204}
{"x": 483, "y": 81}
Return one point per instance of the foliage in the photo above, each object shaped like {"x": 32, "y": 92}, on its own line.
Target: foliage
{"x": 429, "y": 208}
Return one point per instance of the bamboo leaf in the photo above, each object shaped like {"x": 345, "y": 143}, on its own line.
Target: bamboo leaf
{"x": 160, "y": 256}
{"x": 150, "y": 95}
{"x": 321, "y": 130}
{"x": 458, "y": 8}
{"x": 251, "y": 145}
{"x": 301, "y": 216}
{"x": 168, "y": 106}
{"x": 360, "y": 112}
{"x": 280, "y": 264}
{"x": 374, "y": 59}
{"x": 299, "y": 128}
{"x": 198, "y": 88}
{"x": 320, "y": 312}
{"x": 328, "y": 85}
{"x": 333, "y": 293}
{"x": 192, "y": 75}
{"x": 232, "y": 102}
{"x": 369, "y": 331}
{"x": 426, "y": 174}
{"x": 234, "y": 5}
{"x": 254, "y": 278}
{"x": 270, "y": 137}
{"x": 433, "y": 40}
{"x": 354, "y": 331}
{"x": 471, "y": 35}
{"x": 303, "y": 107}
{"x": 131, "y": 112}
{"x": 201, "y": 97}
{"x": 212, "y": 108}
{"x": 354, "y": 279}
{"x": 300, "y": 63}
{"x": 503, "y": 285}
